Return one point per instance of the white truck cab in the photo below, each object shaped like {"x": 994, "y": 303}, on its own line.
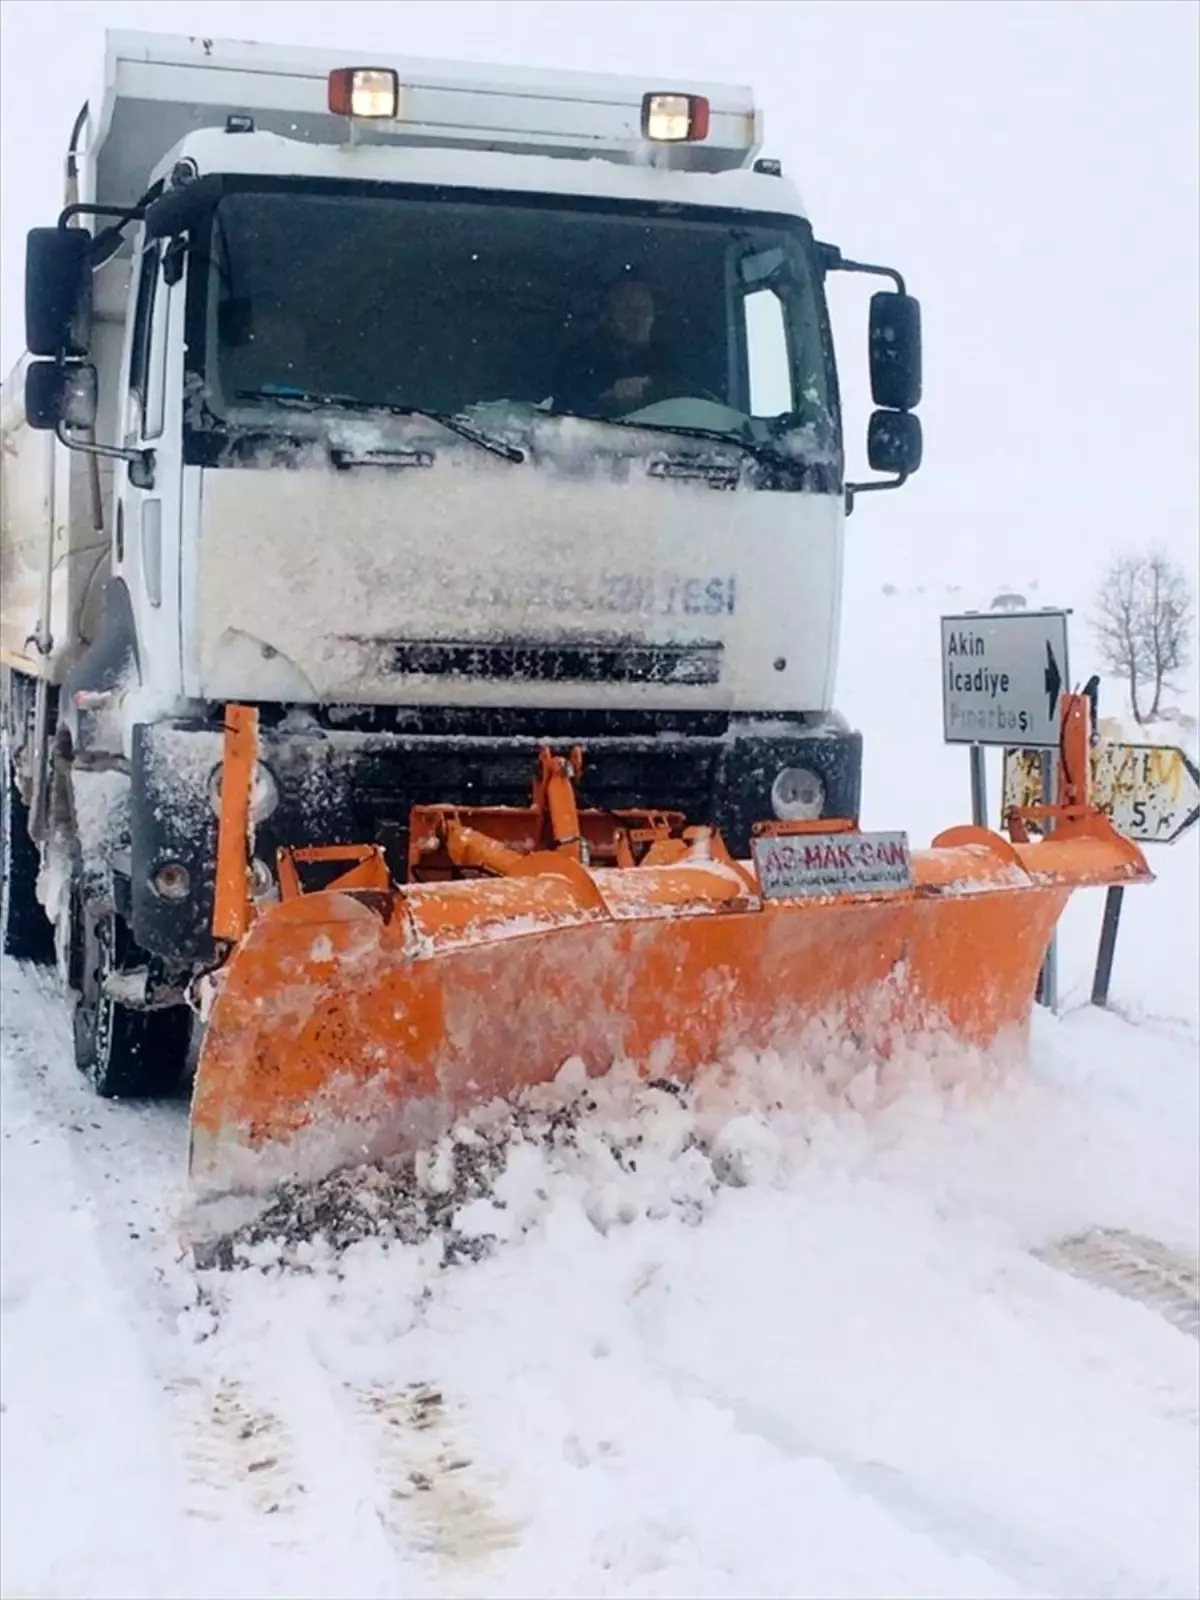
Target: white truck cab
{"x": 437, "y": 411}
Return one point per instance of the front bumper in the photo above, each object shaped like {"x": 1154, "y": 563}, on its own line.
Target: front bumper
{"x": 346, "y": 787}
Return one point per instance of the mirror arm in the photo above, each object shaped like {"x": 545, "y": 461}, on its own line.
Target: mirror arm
{"x": 108, "y": 241}
{"x": 832, "y": 260}
{"x": 113, "y": 452}
{"x": 853, "y": 489}
{"x": 122, "y": 214}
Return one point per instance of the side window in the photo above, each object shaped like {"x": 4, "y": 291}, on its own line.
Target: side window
{"x": 139, "y": 354}
{"x": 156, "y": 355}
{"x": 768, "y": 359}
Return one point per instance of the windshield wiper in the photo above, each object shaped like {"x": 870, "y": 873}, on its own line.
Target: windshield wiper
{"x": 342, "y": 402}
{"x": 464, "y": 430}
{"x": 767, "y": 452}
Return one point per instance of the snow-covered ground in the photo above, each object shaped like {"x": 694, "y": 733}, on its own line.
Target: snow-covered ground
{"x": 795, "y": 1354}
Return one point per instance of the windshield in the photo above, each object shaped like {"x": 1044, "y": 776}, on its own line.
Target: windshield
{"x": 431, "y": 302}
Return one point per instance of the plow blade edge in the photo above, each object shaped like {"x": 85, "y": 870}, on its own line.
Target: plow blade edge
{"x": 353, "y": 1023}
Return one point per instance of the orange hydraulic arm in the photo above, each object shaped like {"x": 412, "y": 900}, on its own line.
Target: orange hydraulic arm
{"x": 232, "y": 902}
{"x": 1074, "y": 777}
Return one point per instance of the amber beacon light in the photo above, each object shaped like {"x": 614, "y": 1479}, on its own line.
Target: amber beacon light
{"x": 674, "y": 118}
{"x": 365, "y": 92}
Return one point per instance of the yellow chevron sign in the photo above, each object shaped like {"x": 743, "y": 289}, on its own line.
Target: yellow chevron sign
{"x": 1149, "y": 792}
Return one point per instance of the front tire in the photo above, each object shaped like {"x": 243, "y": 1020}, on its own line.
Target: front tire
{"x": 124, "y": 1054}
{"x": 25, "y": 930}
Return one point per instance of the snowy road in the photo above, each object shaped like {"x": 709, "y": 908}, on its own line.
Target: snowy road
{"x": 823, "y": 1358}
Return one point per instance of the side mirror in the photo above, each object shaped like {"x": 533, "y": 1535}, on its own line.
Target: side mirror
{"x": 894, "y": 442}
{"x": 895, "y": 346}
{"x": 58, "y": 291}
{"x": 57, "y": 394}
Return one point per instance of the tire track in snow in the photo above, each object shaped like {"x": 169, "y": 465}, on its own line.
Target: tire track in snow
{"x": 430, "y": 1495}
{"x": 354, "y": 1485}
{"x": 228, "y": 1459}
{"x": 1141, "y": 1269}
{"x": 237, "y": 1452}
{"x": 326, "y": 1452}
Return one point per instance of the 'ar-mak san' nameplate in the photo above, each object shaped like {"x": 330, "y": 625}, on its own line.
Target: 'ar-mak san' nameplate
{"x": 1003, "y": 677}
{"x": 805, "y": 866}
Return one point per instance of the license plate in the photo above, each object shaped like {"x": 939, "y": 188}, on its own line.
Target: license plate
{"x": 805, "y": 866}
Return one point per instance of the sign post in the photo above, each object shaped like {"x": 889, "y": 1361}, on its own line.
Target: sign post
{"x": 1002, "y": 677}
{"x": 979, "y": 785}
{"x": 1113, "y": 901}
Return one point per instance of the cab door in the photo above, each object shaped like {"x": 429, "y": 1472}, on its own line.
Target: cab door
{"x": 148, "y": 508}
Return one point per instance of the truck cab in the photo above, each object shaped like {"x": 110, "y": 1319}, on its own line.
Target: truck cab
{"x": 437, "y": 412}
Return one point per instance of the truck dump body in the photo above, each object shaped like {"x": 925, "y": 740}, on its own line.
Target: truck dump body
{"x": 55, "y": 522}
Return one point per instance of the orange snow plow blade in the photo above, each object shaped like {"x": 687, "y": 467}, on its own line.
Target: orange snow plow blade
{"x": 363, "y": 1018}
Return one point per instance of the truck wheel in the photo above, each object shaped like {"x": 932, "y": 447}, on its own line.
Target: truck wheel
{"x": 25, "y": 930}
{"x": 123, "y": 1053}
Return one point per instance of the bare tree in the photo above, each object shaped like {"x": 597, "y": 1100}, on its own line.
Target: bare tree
{"x": 1143, "y": 625}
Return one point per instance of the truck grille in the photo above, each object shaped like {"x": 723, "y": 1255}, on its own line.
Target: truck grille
{"x": 694, "y": 664}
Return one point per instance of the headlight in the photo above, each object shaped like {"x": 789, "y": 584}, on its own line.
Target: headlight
{"x": 797, "y": 795}
{"x": 264, "y": 792}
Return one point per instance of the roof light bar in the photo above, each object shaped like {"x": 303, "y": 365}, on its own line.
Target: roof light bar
{"x": 366, "y": 92}
{"x": 675, "y": 118}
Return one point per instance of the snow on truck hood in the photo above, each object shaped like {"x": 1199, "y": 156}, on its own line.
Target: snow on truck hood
{"x": 491, "y": 584}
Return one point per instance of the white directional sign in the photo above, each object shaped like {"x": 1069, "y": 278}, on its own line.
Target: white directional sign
{"x": 1002, "y": 676}
{"x": 1149, "y": 792}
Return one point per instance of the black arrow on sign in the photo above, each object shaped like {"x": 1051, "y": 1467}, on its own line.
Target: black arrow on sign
{"x": 1053, "y": 680}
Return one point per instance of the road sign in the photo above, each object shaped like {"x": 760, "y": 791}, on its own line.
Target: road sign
{"x": 1149, "y": 792}
{"x": 805, "y": 866}
{"x": 1002, "y": 675}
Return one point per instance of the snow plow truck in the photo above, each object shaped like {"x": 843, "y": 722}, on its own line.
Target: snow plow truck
{"x": 423, "y": 515}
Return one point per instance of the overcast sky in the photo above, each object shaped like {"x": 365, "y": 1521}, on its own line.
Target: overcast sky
{"x": 1030, "y": 165}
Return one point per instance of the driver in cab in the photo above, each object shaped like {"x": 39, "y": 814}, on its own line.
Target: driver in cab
{"x": 619, "y": 368}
